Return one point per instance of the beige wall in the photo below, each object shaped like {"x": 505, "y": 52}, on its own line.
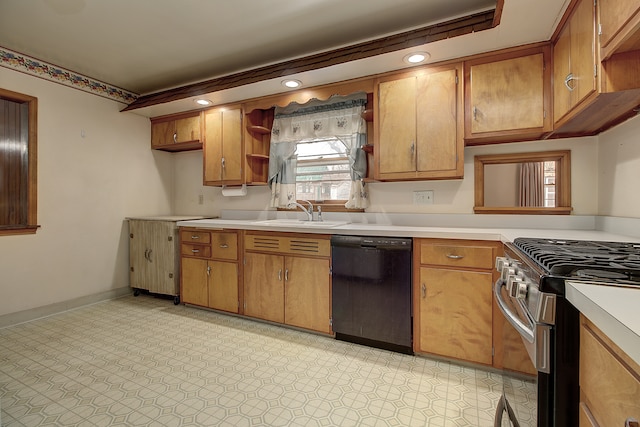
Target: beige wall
{"x": 619, "y": 170}
{"x": 450, "y": 196}
{"x": 86, "y": 187}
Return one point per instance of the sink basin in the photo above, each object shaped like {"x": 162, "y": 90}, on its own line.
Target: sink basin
{"x": 284, "y": 222}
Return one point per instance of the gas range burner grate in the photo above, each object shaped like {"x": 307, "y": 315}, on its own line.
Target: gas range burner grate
{"x": 606, "y": 261}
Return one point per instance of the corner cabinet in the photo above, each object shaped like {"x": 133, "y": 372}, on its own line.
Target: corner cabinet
{"x": 596, "y": 76}
{"x": 210, "y": 272}
{"x": 419, "y": 126}
{"x": 507, "y": 96}
{"x": 178, "y": 132}
{"x": 609, "y": 381}
{"x": 287, "y": 279}
{"x": 223, "y": 147}
{"x": 257, "y": 143}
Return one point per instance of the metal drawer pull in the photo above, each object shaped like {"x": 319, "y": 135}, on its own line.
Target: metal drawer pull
{"x": 280, "y": 274}
{"x": 224, "y": 246}
{"x": 631, "y": 422}
{"x": 424, "y": 290}
{"x": 286, "y": 275}
{"x": 175, "y": 137}
{"x": 195, "y": 251}
{"x": 567, "y": 80}
{"x": 195, "y": 237}
{"x": 450, "y": 256}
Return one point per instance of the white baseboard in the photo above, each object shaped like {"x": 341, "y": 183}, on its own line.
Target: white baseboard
{"x": 51, "y": 309}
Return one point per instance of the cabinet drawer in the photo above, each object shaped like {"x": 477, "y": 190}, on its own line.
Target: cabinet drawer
{"x": 199, "y": 251}
{"x": 457, "y": 256}
{"x": 224, "y": 245}
{"x": 607, "y": 381}
{"x": 202, "y": 237}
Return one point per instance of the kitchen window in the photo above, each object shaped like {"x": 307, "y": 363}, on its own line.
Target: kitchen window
{"x": 18, "y": 163}
{"x": 316, "y": 152}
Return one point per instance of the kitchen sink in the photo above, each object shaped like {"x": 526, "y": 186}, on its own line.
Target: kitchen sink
{"x": 285, "y": 222}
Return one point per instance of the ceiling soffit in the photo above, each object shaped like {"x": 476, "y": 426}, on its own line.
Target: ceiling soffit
{"x": 417, "y": 37}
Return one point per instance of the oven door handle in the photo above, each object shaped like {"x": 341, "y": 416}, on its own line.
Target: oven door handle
{"x": 524, "y": 330}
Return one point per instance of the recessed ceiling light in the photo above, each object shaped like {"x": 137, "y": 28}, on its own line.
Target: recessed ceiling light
{"x": 292, "y": 84}
{"x": 417, "y": 57}
{"x": 202, "y": 102}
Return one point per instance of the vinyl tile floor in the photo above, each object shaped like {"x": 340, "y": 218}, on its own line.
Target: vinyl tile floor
{"x": 141, "y": 361}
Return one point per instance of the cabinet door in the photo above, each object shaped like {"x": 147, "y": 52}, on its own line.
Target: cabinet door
{"x": 187, "y": 129}
{"x": 139, "y": 267}
{"x": 439, "y": 146}
{"x": 307, "y": 293}
{"x": 223, "y": 146}
{"x": 195, "y": 277}
{"x": 456, "y": 314}
{"x": 574, "y": 60}
{"x": 614, "y": 14}
{"x": 162, "y": 133}
{"x": 264, "y": 286}
{"x": 507, "y": 95}
{"x": 397, "y": 129}
{"x": 223, "y": 286}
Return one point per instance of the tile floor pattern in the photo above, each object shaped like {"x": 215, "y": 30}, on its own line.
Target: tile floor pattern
{"x": 145, "y": 362}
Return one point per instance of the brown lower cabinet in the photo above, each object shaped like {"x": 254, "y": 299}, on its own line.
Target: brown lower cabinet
{"x": 287, "y": 279}
{"x": 609, "y": 381}
{"x": 209, "y": 268}
{"x": 455, "y": 315}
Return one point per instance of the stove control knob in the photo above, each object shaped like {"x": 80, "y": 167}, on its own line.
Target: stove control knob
{"x": 522, "y": 291}
{"x": 514, "y": 285}
{"x": 501, "y": 262}
{"x": 507, "y": 272}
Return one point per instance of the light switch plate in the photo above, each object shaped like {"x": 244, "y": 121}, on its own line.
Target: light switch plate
{"x": 423, "y": 197}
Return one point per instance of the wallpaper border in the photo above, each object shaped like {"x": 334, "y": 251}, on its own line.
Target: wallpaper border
{"x": 37, "y": 68}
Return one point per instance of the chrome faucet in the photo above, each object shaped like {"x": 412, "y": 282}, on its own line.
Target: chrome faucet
{"x": 309, "y": 211}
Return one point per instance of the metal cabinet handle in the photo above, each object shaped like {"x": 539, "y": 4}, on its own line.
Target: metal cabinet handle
{"x": 280, "y": 274}
{"x": 567, "y": 80}
{"x": 149, "y": 255}
{"x": 424, "y": 290}
{"x": 631, "y": 422}
{"x": 195, "y": 251}
{"x": 475, "y": 113}
{"x": 195, "y": 237}
{"x": 413, "y": 148}
{"x": 175, "y": 136}
{"x": 208, "y": 270}
{"x": 451, "y": 256}
{"x": 286, "y": 275}
{"x": 224, "y": 246}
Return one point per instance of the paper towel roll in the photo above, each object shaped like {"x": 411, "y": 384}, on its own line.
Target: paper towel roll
{"x": 234, "y": 191}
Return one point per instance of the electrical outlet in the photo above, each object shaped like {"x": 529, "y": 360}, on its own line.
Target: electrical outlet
{"x": 423, "y": 197}
{"x": 201, "y": 199}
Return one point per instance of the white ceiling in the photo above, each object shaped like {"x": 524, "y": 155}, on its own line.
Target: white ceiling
{"x": 145, "y": 46}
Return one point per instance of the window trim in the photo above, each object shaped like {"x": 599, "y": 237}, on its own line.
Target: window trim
{"x": 32, "y": 168}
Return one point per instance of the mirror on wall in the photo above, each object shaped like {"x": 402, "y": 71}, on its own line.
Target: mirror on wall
{"x": 523, "y": 183}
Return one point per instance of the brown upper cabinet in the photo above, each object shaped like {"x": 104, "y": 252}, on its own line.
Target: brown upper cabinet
{"x": 619, "y": 26}
{"x": 177, "y": 132}
{"x": 419, "y": 126}
{"x": 223, "y": 148}
{"x": 257, "y": 139}
{"x": 508, "y": 96}
{"x": 595, "y": 87}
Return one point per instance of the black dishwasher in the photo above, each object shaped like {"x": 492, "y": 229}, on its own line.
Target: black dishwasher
{"x": 371, "y": 297}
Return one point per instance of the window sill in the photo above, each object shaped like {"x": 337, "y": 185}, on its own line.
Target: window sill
{"x": 18, "y": 230}
{"x": 332, "y": 206}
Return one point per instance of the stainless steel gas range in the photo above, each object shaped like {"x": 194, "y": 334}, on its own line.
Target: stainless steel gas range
{"x": 531, "y": 295}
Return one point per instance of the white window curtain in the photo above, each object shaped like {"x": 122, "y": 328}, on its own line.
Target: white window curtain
{"x": 531, "y": 184}
{"x": 339, "y": 117}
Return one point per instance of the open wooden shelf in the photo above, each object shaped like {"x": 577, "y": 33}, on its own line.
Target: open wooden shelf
{"x": 259, "y": 129}
{"x": 258, "y": 157}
